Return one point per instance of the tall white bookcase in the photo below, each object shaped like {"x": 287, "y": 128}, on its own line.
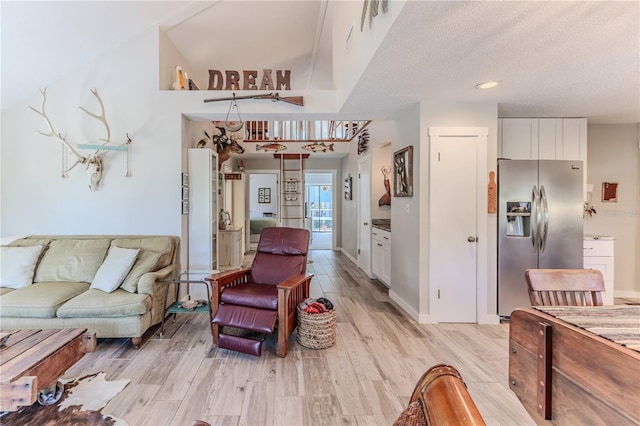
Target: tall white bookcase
{"x": 203, "y": 213}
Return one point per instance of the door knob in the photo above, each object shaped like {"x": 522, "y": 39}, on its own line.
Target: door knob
{"x": 366, "y": 223}
{"x": 471, "y": 239}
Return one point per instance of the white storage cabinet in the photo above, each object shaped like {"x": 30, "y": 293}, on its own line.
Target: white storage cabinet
{"x": 381, "y": 255}
{"x": 598, "y": 254}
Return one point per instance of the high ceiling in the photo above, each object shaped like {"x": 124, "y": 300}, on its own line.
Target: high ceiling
{"x": 571, "y": 59}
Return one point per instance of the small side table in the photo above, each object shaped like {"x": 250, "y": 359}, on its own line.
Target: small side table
{"x": 176, "y": 308}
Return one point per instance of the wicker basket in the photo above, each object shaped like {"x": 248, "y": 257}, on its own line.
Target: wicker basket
{"x": 317, "y": 331}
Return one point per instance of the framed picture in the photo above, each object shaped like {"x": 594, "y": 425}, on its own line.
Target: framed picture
{"x": 261, "y": 199}
{"x": 261, "y": 191}
{"x": 185, "y": 192}
{"x": 609, "y": 192}
{"x": 185, "y": 206}
{"x": 403, "y": 172}
{"x": 185, "y": 179}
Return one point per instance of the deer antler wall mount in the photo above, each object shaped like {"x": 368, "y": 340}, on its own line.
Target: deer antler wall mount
{"x": 93, "y": 162}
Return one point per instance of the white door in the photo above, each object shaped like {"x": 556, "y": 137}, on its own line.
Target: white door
{"x": 364, "y": 215}
{"x": 453, "y": 229}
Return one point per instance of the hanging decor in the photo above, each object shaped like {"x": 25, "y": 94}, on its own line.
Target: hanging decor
{"x": 403, "y": 172}
{"x": 385, "y": 200}
{"x": 347, "y": 188}
{"x": 233, "y": 126}
{"x": 225, "y": 146}
{"x": 363, "y": 141}
{"x": 202, "y": 143}
{"x": 93, "y": 162}
{"x": 294, "y": 100}
{"x": 230, "y": 80}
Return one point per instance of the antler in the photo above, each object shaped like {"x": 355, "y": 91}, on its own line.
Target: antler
{"x": 102, "y": 117}
{"x": 80, "y": 159}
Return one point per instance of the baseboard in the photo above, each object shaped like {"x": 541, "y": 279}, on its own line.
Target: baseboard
{"x": 489, "y": 319}
{"x": 408, "y": 310}
{"x": 355, "y": 261}
{"x": 626, "y": 294}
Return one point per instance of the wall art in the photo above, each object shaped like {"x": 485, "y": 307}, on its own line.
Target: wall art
{"x": 609, "y": 192}
{"x": 403, "y": 172}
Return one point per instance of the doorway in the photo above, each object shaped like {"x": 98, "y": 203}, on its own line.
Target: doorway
{"x": 262, "y": 205}
{"x": 318, "y": 209}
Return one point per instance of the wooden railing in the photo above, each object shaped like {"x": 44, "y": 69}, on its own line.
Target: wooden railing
{"x": 303, "y": 131}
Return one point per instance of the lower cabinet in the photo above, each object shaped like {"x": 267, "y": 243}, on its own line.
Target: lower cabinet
{"x": 230, "y": 248}
{"x": 381, "y": 255}
{"x": 598, "y": 254}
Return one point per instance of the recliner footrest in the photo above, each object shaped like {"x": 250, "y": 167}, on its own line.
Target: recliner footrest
{"x": 246, "y": 318}
{"x": 240, "y": 344}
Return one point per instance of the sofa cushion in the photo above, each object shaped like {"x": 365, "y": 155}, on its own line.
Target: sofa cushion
{"x": 72, "y": 260}
{"x": 40, "y": 300}
{"x": 147, "y": 261}
{"x": 163, "y": 245}
{"x": 114, "y": 269}
{"x": 5, "y": 290}
{"x": 28, "y": 242}
{"x": 96, "y": 303}
{"x": 18, "y": 265}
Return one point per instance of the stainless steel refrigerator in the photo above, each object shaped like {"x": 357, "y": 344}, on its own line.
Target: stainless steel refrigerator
{"x": 540, "y": 223}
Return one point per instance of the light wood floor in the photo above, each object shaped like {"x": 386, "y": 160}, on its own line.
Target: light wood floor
{"x": 366, "y": 379}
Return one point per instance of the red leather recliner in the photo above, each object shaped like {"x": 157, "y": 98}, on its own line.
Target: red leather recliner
{"x": 265, "y": 296}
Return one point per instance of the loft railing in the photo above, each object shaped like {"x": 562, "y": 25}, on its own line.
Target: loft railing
{"x": 303, "y": 131}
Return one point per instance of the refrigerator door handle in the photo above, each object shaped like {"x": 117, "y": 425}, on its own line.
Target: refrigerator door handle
{"x": 545, "y": 220}
{"x": 535, "y": 200}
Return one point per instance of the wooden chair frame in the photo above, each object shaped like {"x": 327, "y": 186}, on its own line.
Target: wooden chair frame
{"x": 565, "y": 287}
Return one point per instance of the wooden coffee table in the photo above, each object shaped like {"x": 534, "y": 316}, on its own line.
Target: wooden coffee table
{"x": 32, "y": 361}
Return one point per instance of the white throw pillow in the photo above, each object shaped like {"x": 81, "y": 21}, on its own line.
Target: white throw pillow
{"x": 17, "y": 265}
{"x": 114, "y": 269}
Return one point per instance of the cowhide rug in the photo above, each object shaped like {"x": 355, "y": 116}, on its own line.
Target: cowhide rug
{"x": 81, "y": 404}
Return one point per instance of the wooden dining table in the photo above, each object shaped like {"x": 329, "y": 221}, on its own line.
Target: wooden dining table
{"x": 577, "y": 365}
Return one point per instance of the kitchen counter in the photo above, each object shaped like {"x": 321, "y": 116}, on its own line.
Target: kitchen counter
{"x": 591, "y": 237}
{"x": 384, "y": 224}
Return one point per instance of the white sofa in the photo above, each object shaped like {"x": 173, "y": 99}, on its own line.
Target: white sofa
{"x": 60, "y": 295}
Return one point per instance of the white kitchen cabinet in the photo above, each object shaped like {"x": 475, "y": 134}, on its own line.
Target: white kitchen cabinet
{"x": 550, "y": 139}
{"x": 381, "y": 255}
{"x": 574, "y": 144}
{"x": 203, "y": 213}
{"x": 598, "y": 254}
{"x": 519, "y": 139}
{"x": 230, "y": 247}
{"x": 542, "y": 138}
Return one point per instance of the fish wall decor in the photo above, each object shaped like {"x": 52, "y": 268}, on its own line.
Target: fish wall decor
{"x": 275, "y": 147}
{"x": 318, "y": 147}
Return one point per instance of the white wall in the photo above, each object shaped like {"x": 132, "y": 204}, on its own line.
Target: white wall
{"x": 350, "y": 62}
{"x": 34, "y": 197}
{"x": 614, "y": 156}
{"x": 257, "y": 181}
{"x": 380, "y": 133}
{"x": 443, "y": 114}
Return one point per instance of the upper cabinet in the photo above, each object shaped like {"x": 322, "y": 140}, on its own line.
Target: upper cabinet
{"x": 543, "y": 139}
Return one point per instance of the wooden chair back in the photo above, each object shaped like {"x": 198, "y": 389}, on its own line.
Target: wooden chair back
{"x": 565, "y": 287}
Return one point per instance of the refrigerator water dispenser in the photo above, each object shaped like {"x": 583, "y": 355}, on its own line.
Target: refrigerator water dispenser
{"x": 518, "y": 219}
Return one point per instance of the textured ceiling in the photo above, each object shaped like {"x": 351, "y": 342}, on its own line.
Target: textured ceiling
{"x": 578, "y": 58}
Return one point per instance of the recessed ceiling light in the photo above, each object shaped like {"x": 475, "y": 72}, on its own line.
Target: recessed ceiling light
{"x": 487, "y": 85}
